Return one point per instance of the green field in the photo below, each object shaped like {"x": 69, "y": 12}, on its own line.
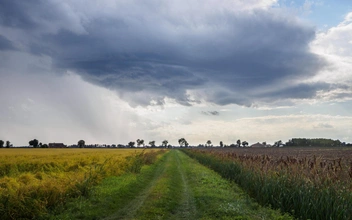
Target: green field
{"x": 176, "y": 187}
{"x": 175, "y": 184}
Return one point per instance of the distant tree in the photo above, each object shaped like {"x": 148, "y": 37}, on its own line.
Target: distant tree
{"x": 164, "y": 143}
{"x": 44, "y": 146}
{"x": 183, "y": 142}
{"x": 278, "y": 143}
{"x": 8, "y": 144}
{"x": 1, "y": 143}
{"x": 245, "y": 144}
{"x": 152, "y": 143}
{"x": 264, "y": 143}
{"x": 221, "y": 144}
{"x": 34, "y": 143}
{"x": 319, "y": 142}
{"x": 81, "y": 143}
{"x": 238, "y": 143}
{"x": 209, "y": 143}
{"x": 131, "y": 144}
{"x": 186, "y": 144}
{"x": 140, "y": 142}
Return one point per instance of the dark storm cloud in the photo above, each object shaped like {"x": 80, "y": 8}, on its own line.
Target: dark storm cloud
{"x": 148, "y": 48}
{"x": 6, "y": 44}
{"x": 17, "y": 13}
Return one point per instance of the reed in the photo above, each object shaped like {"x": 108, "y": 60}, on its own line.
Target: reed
{"x": 307, "y": 187}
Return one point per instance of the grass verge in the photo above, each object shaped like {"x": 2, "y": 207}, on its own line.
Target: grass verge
{"x": 293, "y": 195}
{"x": 218, "y": 198}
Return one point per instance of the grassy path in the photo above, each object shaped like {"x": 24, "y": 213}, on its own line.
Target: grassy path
{"x": 187, "y": 209}
{"x": 177, "y": 187}
{"x": 129, "y": 211}
{"x": 171, "y": 196}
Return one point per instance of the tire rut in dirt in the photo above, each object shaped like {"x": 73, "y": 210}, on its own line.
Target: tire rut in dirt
{"x": 187, "y": 209}
{"x": 128, "y": 211}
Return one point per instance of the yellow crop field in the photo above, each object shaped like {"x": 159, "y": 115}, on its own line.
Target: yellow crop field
{"x": 33, "y": 180}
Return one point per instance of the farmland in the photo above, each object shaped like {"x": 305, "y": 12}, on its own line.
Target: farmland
{"x": 34, "y": 181}
{"x": 118, "y": 184}
{"x": 176, "y": 187}
{"x": 191, "y": 183}
{"x": 309, "y": 183}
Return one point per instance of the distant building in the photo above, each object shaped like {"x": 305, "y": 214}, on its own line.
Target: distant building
{"x": 258, "y": 145}
{"x": 57, "y": 145}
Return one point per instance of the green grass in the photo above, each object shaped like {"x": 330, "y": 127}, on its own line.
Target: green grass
{"x": 111, "y": 196}
{"x": 175, "y": 187}
{"x": 292, "y": 195}
{"x": 217, "y": 198}
{"x": 164, "y": 197}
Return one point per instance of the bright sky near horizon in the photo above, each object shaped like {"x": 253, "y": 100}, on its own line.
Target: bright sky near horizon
{"x": 113, "y": 71}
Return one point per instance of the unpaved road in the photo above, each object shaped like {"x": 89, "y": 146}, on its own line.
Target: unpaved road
{"x": 175, "y": 187}
{"x": 183, "y": 189}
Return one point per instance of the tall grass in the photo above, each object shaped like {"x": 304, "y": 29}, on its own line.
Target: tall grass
{"x": 36, "y": 180}
{"x": 289, "y": 187}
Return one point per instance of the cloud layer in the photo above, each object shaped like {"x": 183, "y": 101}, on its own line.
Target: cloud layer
{"x": 114, "y": 71}
{"x": 232, "y": 52}
{"x": 335, "y": 45}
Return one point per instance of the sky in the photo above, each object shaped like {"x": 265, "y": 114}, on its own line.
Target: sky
{"x": 114, "y": 71}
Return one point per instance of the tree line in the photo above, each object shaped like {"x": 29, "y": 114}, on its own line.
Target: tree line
{"x": 299, "y": 142}
{"x": 8, "y": 144}
{"x": 316, "y": 142}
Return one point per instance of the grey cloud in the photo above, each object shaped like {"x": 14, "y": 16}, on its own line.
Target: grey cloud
{"x": 6, "y": 44}
{"x": 40, "y": 16}
{"x": 214, "y": 113}
{"x": 300, "y": 91}
{"x": 279, "y": 92}
{"x": 17, "y": 14}
{"x": 342, "y": 95}
{"x": 160, "y": 54}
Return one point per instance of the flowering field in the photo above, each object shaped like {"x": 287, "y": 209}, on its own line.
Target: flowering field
{"x": 309, "y": 183}
{"x": 35, "y": 180}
